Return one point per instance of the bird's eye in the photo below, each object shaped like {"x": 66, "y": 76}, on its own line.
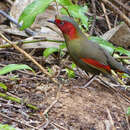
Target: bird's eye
{"x": 61, "y": 23}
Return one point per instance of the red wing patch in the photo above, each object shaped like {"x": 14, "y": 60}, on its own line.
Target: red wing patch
{"x": 96, "y": 64}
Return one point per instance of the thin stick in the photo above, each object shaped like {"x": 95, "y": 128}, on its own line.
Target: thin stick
{"x": 106, "y": 17}
{"x": 29, "y": 57}
{"x": 61, "y": 127}
{"x": 116, "y": 10}
{"x": 94, "y": 17}
{"x": 116, "y": 77}
{"x": 24, "y": 123}
{"x": 32, "y": 41}
{"x": 28, "y": 31}
{"x": 127, "y": 8}
{"x": 18, "y": 100}
{"x": 110, "y": 119}
{"x": 52, "y": 104}
{"x": 110, "y": 85}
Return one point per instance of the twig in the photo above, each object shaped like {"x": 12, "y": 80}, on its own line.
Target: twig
{"x": 94, "y": 17}
{"x": 18, "y": 100}
{"x": 66, "y": 10}
{"x": 106, "y": 16}
{"x": 110, "y": 119}
{"x": 57, "y": 10}
{"x": 116, "y": 10}
{"x": 28, "y": 31}
{"x": 43, "y": 125}
{"x": 127, "y": 8}
{"x": 52, "y": 104}
{"x": 17, "y": 121}
{"x": 61, "y": 127}
{"x": 126, "y": 117}
{"x": 115, "y": 21}
{"x": 29, "y": 57}
{"x": 116, "y": 77}
{"x": 123, "y": 57}
{"x": 110, "y": 85}
{"x": 32, "y": 41}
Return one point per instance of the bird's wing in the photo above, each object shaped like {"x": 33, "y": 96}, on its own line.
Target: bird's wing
{"x": 93, "y": 55}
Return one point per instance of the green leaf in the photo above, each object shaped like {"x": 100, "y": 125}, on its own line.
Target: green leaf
{"x": 49, "y": 51}
{"x": 65, "y": 2}
{"x": 108, "y": 46}
{"x": 12, "y": 67}
{"x": 73, "y": 65}
{"x": 6, "y": 127}
{"x": 3, "y": 86}
{"x": 77, "y": 12}
{"x": 124, "y": 75}
{"x": 122, "y": 51}
{"x": 62, "y": 46}
{"x": 128, "y": 111}
{"x": 71, "y": 73}
{"x": 50, "y": 70}
{"x": 31, "y": 11}
{"x": 105, "y": 44}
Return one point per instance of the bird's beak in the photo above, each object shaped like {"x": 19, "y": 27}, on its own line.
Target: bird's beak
{"x": 51, "y": 21}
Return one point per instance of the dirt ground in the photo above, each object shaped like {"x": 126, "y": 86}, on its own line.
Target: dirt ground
{"x": 89, "y": 109}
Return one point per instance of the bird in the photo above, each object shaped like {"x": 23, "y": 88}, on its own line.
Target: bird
{"x": 86, "y": 54}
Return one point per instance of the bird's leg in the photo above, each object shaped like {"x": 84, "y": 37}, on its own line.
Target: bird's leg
{"x": 89, "y": 81}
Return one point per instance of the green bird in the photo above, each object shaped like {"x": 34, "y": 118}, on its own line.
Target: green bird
{"x": 86, "y": 54}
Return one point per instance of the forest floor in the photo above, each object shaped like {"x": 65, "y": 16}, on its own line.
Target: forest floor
{"x": 64, "y": 107}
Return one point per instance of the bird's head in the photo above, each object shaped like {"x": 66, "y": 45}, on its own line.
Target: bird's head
{"x": 68, "y": 27}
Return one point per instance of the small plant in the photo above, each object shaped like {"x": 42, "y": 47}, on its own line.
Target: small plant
{"x": 6, "y": 127}
{"x": 71, "y": 73}
{"x": 128, "y": 111}
{"x": 12, "y": 67}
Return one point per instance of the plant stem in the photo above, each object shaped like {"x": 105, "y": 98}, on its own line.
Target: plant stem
{"x": 18, "y": 100}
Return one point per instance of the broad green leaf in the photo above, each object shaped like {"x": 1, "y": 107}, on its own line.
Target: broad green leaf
{"x": 6, "y": 127}
{"x": 31, "y": 11}
{"x": 128, "y": 111}
{"x": 49, "y": 51}
{"x": 105, "y": 44}
{"x": 122, "y": 51}
{"x": 2, "y": 85}
{"x": 77, "y": 12}
{"x": 65, "y": 2}
{"x": 12, "y": 67}
{"x": 108, "y": 46}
